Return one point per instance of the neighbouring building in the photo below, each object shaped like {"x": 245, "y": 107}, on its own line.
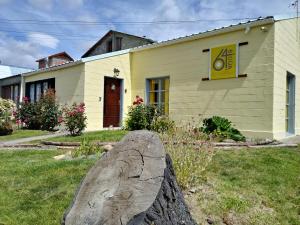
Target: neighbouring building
{"x": 10, "y": 81}
{"x": 248, "y": 73}
{"x": 54, "y": 60}
{"x": 116, "y": 41}
{"x": 35, "y": 89}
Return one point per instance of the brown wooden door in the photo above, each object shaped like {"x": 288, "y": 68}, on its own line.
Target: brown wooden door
{"x": 112, "y": 99}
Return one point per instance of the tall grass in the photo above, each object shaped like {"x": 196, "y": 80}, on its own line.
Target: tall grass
{"x": 191, "y": 153}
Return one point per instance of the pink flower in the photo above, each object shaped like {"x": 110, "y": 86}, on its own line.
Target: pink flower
{"x": 138, "y": 100}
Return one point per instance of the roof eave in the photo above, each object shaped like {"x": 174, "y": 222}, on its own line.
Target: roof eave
{"x": 54, "y": 68}
{"x": 206, "y": 34}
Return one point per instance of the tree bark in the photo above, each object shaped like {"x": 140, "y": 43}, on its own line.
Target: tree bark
{"x": 133, "y": 184}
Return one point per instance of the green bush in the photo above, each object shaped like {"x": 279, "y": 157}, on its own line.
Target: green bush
{"x": 29, "y": 115}
{"x": 86, "y": 149}
{"x": 44, "y": 114}
{"x": 50, "y": 112}
{"x": 162, "y": 124}
{"x": 140, "y": 117}
{"x": 222, "y": 128}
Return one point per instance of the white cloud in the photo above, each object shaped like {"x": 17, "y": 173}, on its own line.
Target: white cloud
{"x": 17, "y": 52}
{"x": 42, "y": 39}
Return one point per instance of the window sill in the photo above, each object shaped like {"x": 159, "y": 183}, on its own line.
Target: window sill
{"x": 239, "y": 76}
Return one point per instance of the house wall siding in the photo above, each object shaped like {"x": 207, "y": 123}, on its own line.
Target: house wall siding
{"x": 247, "y": 102}
{"x": 287, "y": 58}
{"x": 69, "y": 83}
{"x": 95, "y": 71}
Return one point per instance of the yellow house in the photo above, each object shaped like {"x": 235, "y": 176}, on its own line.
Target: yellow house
{"x": 245, "y": 72}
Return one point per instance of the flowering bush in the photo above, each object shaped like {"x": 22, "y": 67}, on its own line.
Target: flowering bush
{"x": 6, "y": 116}
{"x": 50, "y": 112}
{"x": 29, "y": 115}
{"x": 75, "y": 118}
{"x": 140, "y": 116}
{"x": 44, "y": 114}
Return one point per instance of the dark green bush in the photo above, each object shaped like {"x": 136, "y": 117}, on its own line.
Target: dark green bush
{"x": 29, "y": 114}
{"x": 221, "y": 127}
{"x": 50, "y": 112}
{"x": 6, "y": 128}
{"x": 44, "y": 114}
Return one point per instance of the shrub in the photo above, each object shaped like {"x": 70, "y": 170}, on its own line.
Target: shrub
{"x": 75, "y": 118}
{"x": 162, "y": 124}
{"x": 6, "y": 116}
{"x": 222, "y": 128}
{"x": 29, "y": 114}
{"x": 86, "y": 149}
{"x": 140, "y": 117}
{"x": 50, "y": 112}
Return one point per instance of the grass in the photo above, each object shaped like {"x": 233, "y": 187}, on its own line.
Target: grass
{"x": 104, "y": 136}
{"x": 238, "y": 187}
{"x": 17, "y": 134}
{"x": 260, "y": 187}
{"x": 36, "y": 189}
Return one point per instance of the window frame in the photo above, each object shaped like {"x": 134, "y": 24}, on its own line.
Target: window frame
{"x": 161, "y": 104}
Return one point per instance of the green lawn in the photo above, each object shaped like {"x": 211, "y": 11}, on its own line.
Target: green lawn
{"x": 104, "y": 135}
{"x": 17, "y": 134}
{"x": 260, "y": 187}
{"x": 34, "y": 188}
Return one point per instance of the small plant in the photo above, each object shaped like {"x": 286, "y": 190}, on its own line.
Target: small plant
{"x": 75, "y": 118}
{"x": 163, "y": 124}
{"x": 222, "y": 128}
{"x": 86, "y": 148}
{"x": 50, "y": 112}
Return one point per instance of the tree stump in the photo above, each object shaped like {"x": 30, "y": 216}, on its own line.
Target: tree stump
{"x": 133, "y": 184}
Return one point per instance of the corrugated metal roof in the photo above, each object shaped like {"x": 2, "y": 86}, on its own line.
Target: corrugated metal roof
{"x": 8, "y": 71}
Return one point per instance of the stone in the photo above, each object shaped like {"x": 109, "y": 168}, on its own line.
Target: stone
{"x": 132, "y": 184}
{"x": 107, "y": 147}
{"x": 67, "y": 156}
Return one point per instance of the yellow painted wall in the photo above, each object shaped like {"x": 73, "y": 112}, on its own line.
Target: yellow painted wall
{"x": 287, "y": 58}
{"x": 95, "y": 71}
{"x": 247, "y": 102}
{"x": 69, "y": 83}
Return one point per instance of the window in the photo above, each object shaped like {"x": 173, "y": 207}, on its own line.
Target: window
{"x": 109, "y": 46}
{"x": 158, "y": 93}
{"x": 118, "y": 43}
{"x": 10, "y": 92}
{"x": 34, "y": 90}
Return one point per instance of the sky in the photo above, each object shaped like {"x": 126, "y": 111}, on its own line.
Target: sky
{"x": 33, "y": 29}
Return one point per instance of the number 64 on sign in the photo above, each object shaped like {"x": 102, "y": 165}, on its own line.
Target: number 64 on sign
{"x": 223, "y": 62}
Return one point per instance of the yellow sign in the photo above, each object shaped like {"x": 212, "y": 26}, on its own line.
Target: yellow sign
{"x": 223, "y": 61}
